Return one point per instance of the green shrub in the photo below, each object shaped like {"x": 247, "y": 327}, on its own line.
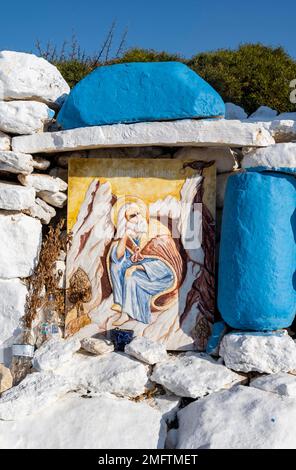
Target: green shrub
{"x": 250, "y": 76}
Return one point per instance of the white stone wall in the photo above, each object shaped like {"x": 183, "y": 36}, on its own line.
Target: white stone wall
{"x": 33, "y": 162}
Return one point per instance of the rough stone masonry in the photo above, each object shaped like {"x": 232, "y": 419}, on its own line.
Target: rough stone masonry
{"x": 33, "y": 183}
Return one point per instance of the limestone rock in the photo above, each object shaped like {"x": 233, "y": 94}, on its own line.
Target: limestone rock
{"x": 41, "y": 210}
{"x": 57, "y": 199}
{"x": 35, "y": 392}
{"x": 266, "y": 353}
{"x": 281, "y": 383}
{"x": 20, "y": 245}
{"x": 97, "y": 346}
{"x": 146, "y": 350}
{"x": 275, "y": 157}
{"x": 24, "y": 117}
{"x": 41, "y": 163}
{"x": 15, "y": 162}
{"x": 5, "y": 142}
{"x": 13, "y": 294}
{"x": 194, "y": 375}
{"x": 240, "y": 418}
{"x": 197, "y": 133}
{"x": 43, "y": 182}
{"x": 5, "y": 378}
{"x": 15, "y": 197}
{"x": 223, "y": 157}
{"x": 26, "y": 76}
{"x": 233, "y": 111}
{"x": 263, "y": 113}
{"x": 137, "y": 92}
{"x": 100, "y": 422}
{"x": 111, "y": 373}
{"x": 54, "y": 353}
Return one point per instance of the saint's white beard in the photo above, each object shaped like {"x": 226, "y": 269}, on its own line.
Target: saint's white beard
{"x": 134, "y": 229}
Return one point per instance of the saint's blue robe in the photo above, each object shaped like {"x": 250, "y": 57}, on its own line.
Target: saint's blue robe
{"x": 133, "y": 293}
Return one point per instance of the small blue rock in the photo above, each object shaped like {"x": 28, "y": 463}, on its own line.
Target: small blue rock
{"x": 139, "y": 92}
{"x": 218, "y": 331}
{"x": 257, "y": 279}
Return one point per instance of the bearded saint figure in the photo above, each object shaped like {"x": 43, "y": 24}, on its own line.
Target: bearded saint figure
{"x": 145, "y": 268}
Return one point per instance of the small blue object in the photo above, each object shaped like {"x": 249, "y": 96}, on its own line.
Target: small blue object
{"x": 257, "y": 279}
{"x": 218, "y": 331}
{"x": 139, "y": 92}
{"x": 121, "y": 338}
{"x": 50, "y": 113}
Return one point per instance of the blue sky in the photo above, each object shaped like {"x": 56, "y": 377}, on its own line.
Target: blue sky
{"x": 184, "y": 26}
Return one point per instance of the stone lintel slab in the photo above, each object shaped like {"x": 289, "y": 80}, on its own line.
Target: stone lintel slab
{"x": 187, "y": 132}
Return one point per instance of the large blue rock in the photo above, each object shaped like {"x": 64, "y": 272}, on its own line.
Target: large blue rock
{"x": 257, "y": 282}
{"x": 135, "y": 92}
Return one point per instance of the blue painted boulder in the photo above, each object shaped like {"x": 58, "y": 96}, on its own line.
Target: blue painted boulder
{"x": 256, "y": 283}
{"x": 135, "y": 92}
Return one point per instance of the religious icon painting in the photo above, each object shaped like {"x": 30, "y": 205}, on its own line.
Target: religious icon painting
{"x": 141, "y": 256}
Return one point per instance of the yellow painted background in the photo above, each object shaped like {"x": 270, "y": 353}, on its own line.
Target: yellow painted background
{"x": 148, "y": 179}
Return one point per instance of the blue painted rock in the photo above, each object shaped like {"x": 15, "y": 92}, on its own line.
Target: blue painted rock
{"x": 256, "y": 283}
{"x": 135, "y": 92}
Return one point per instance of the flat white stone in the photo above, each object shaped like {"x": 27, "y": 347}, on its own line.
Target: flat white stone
{"x": 24, "y": 117}
{"x": 194, "y": 375}
{"x": 35, "y": 392}
{"x": 265, "y": 353}
{"x": 263, "y": 113}
{"x": 15, "y": 197}
{"x": 281, "y": 383}
{"x": 223, "y": 157}
{"x": 21, "y": 238}
{"x": 41, "y": 210}
{"x": 5, "y": 141}
{"x": 16, "y": 162}
{"x": 97, "y": 346}
{"x": 13, "y": 294}
{"x": 43, "y": 182}
{"x": 200, "y": 133}
{"x": 57, "y": 199}
{"x": 276, "y": 156}
{"x": 146, "y": 350}
{"x": 111, "y": 373}
{"x": 26, "y": 76}
{"x": 54, "y": 353}
{"x": 240, "y": 418}
{"x": 100, "y": 422}
{"x": 233, "y": 111}
{"x": 282, "y": 130}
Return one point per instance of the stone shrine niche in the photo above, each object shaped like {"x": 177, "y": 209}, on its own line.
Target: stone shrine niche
{"x": 142, "y": 250}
